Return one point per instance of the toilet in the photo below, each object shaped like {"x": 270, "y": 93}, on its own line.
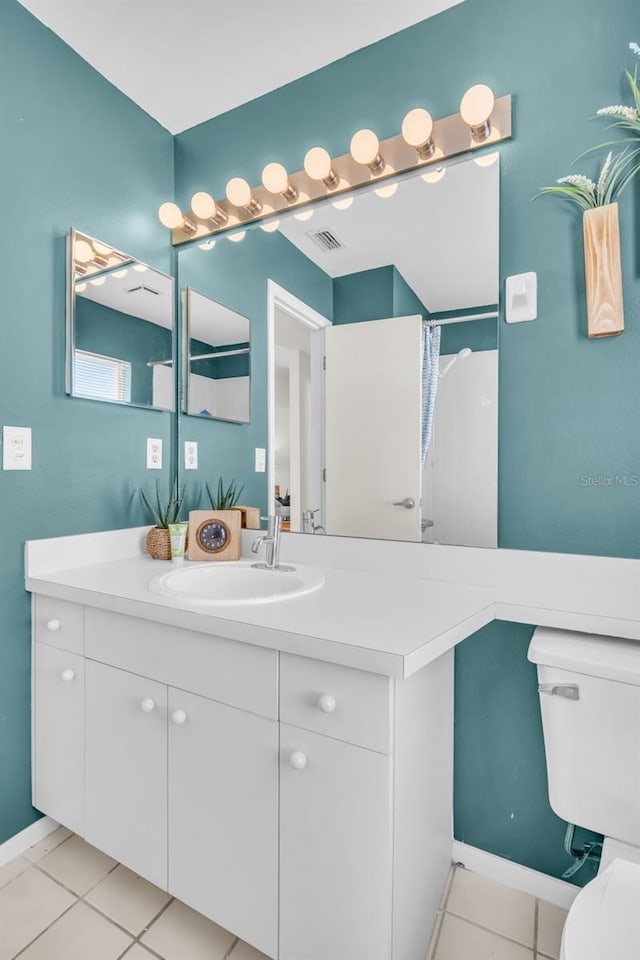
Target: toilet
{"x": 589, "y": 689}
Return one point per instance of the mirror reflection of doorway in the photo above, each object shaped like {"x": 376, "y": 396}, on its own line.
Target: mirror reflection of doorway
{"x": 296, "y": 411}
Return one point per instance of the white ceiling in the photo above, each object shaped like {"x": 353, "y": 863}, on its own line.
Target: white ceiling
{"x": 442, "y": 237}
{"x": 142, "y": 293}
{"x": 185, "y": 61}
{"x": 214, "y": 323}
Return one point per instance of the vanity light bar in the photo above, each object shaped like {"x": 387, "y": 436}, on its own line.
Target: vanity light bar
{"x": 483, "y": 121}
{"x": 92, "y": 257}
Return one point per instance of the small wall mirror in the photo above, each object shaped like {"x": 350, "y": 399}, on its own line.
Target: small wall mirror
{"x": 217, "y": 353}
{"x": 120, "y": 327}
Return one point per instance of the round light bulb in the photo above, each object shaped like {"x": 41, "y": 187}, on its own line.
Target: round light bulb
{"x": 434, "y": 175}
{"x": 317, "y": 166}
{"x": 417, "y": 127}
{"x": 237, "y": 237}
{"x": 119, "y": 274}
{"x": 82, "y": 251}
{"x": 365, "y": 147}
{"x": 387, "y": 191}
{"x": 238, "y": 192}
{"x": 203, "y": 205}
{"x": 270, "y": 226}
{"x": 98, "y": 281}
{"x": 170, "y": 215}
{"x": 486, "y": 159}
{"x": 343, "y": 204}
{"x": 81, "y": 287}
{"x": 275, "y": 178}
{"x": 102, "y": 248}
{"x": 139, "y": 267}
{"x": 475, "y": 109}
{"x": 305, "y": 214}
{"x": 207, "y": 245}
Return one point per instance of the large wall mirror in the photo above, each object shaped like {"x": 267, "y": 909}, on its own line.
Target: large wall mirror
{"x": 374, "y": 345}
{"x": 120, "y": 327}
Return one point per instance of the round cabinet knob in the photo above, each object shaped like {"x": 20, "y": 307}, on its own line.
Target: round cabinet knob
{"x": 179, "y": 717}
{"x": 67, "y": 674}
{"x": 327, "y": 703}
{"x": 53, "y": 624}
{"x": 147, "y": 705}
{"x": 298, "y": 760}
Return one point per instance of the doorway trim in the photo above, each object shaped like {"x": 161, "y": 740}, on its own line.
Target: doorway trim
{"x": 278, "y": 296}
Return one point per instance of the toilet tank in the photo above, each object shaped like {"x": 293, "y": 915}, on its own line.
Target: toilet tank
{"x": 589, "y": 689}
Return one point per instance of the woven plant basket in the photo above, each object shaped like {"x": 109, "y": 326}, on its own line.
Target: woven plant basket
{"x": 159, "y": 543}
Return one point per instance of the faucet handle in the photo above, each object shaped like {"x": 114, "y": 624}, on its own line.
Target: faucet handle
{"x": 274, "y": 521}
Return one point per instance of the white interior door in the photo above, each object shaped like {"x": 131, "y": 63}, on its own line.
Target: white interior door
{"x": 373, "y": 428}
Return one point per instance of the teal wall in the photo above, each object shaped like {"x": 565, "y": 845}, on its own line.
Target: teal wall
{"x": 475, "y": 334}
{"x": 76, "y": 152}
{"x": 235, "y": 275}
{"x": 568, "y": 406}
{"x": 100, "y": 329}
{"x": 405, "y": 301}
{"x": 373, "y": 295}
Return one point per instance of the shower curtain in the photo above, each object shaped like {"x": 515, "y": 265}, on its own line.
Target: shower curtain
{"x": 430, "y": 367}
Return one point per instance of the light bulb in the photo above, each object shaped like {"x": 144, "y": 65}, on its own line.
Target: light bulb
{"x": 139, "y": 267}
{"x": 343, "y": 204}
{"x": 119, "y": 274}
{"x": 239, "y": 194}
{"x": 387, "y": 191}
{"x": 317, "y": 166}
{"x": 365, "y": 149}
{"x": 275, "y": 179}
{"x": 170, "y": 215}
{"x": 207, "y": 245}
{"x": 97, "y": 281}
{"x": 102, "y": 248}
{"x": 475, "y": 109}
{"x": 305, "y": 214}
{"x": 205, "y": 207}
{"x": 270, "y": 226}
{"x": 434, "y": 175}
{"x": 486, "y": 159}
{"x": 82, "y": 251}
{"x": 417, "y": 128}
{"x": 81, "y": 287}
{"x": 237, "y": 237}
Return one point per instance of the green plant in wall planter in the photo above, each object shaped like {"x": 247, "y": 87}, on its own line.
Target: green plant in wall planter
{"x": 601, "y": 227}
{"x": 163, "y": 512}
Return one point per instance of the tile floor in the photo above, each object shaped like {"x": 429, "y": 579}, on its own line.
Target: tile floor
{"x": 64, "y": 900}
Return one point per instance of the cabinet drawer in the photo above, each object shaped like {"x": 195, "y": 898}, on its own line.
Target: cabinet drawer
{"x": 59, "y": 623}
{"x": 239, "y": 674}
{"x": 340, "y": 702}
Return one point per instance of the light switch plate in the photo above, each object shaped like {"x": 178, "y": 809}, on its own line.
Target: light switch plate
{"x": 16, "y": 448}
{"x": 261, "y": 459}
{"x": 190, "y": 455}
{"x": 154, "y": 453}
{"x": 522, "y": 297}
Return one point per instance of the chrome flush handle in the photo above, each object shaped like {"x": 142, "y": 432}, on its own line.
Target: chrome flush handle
{"x": 570, "y": 691}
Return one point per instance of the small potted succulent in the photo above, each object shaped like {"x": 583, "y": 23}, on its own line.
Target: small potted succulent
{"x": 225, "y": 498}
{"x": 283, "y": 505}
{"x": 163, "y": 512}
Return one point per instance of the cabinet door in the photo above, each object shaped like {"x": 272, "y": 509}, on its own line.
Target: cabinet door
{"x": 58, "y": 735}
{"x": 335, "y": 849}
{"x": 126, "y": 762}
{"x": 223, "y": 816}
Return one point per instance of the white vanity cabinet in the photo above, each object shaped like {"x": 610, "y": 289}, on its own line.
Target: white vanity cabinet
{"x": 303, "y": 805}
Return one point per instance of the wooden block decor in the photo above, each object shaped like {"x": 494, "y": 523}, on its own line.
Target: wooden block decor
{"x": 603, "y": 271}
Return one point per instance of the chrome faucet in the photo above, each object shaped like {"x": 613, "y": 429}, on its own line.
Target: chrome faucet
{"x": 309, "y": 522}
{"x": 272, "y": 540}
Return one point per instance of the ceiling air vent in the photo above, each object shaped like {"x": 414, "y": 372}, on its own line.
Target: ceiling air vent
{"x": 326, "y": 239}
{"x": 144, "y": 289}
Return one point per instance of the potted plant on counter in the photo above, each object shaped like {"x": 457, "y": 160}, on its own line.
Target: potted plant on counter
{"x": 163, "y": 512}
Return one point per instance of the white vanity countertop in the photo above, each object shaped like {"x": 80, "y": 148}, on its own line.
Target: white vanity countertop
{"x": 385, "y": 624}
{"x": 365, "y": 616}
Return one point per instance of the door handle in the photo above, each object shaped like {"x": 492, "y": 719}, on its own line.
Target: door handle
{"x": 408, "y": 503}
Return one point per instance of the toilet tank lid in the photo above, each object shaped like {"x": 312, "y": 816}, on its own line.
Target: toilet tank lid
{"x": 608, "y": 657}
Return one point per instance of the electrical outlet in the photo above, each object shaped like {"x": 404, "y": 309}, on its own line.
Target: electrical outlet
{"x": 261, "y": 459}
{"x": 154, "y": 453}
{"x": 190, "y": 455}
{"x": 16, "y": 448}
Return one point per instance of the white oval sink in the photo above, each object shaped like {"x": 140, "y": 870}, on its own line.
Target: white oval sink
{"x": 235, "y": 583}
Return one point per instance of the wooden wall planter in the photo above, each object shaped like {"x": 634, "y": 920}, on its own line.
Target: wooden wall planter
{"x": 603, "y": 271}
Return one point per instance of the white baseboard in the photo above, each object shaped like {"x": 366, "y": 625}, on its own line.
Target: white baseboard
{"x": 16, "y": 845}
{"x": 514, "y": 875}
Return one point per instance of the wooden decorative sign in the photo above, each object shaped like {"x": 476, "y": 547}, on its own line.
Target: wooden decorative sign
{"x": 603, "y": 271}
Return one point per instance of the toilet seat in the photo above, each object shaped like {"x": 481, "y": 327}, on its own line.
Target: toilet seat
{"x": 604, "y": 921}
